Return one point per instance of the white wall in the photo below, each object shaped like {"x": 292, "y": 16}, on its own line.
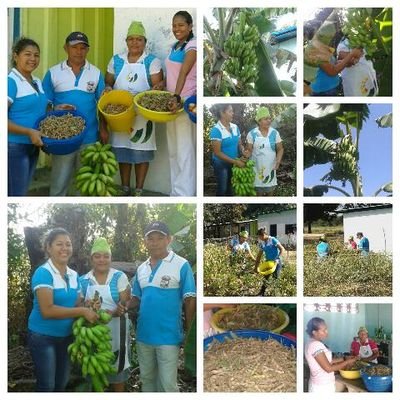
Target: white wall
{"x": 157, "y": 23}
{"x": 376, "y": 225}
{"x": 343, "y": 327}
{"x": 280, "y": 219}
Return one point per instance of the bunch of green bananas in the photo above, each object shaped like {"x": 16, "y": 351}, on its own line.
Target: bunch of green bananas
{"x": 358, "y": 27}
{"x": 243, "y": 179}
{"x": 95, "y": 177}
{"x": 344, "y": 165}
{"x": 240, "y": 46}
{"x": 92, "y": 349}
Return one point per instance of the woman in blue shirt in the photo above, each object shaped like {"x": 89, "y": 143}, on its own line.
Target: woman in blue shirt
{"x": 225, "y": 139}
{"x": 56, "y": 292}
{"x": 26, "y": 103}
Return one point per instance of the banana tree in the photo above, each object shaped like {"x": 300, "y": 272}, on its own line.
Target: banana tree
{"x": 237, "y": 60}
{"x": 332, "y": 135}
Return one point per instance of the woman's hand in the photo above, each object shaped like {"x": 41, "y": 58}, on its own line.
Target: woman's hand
{"x": 36, "y": 137}
{"x": 120, "y": 310}
{"x": 173, "y": 105}
{"x": 239, "y": 163}
{"x": 64, "y": 107}
{"x": 159, "y": 86}
{"x": 90, "y": 315}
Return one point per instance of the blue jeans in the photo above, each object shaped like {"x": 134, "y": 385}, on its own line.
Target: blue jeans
{"x": 278, "y": 269}
{"x": 158, "y": 367}
{"x": 22, "y": 159}
{"x": 51, "y": 361}
{"x": 223, "y": 173}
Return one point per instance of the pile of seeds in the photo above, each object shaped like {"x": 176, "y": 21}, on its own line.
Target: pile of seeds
{"x": 357, "y": 366}
{"x": 62, "y": 127}
{"x": 156, "y": 101}
{"x": 251, "y": 316}
{"x": 115, "y": 108}
{"x": 379, "y": 370}
{"x": 249, "y": 365}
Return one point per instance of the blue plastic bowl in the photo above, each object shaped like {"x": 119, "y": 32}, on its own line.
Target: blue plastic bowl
{"x": 376, "y": 383}
{"x": 62, "y": 146}
{"x": 191, "y": 99}
{"x": 248, "y": 334}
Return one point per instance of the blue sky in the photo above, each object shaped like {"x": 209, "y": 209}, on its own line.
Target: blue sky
{"x": 375, "y": 157}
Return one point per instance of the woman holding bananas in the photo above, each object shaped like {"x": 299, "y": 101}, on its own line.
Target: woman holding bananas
{"x": 56, "y": 294}
{"x": 225, "y": 142}
{"x": 113, "y": 288}
{"x": 134, "y": 70}
{"x": 266, "y": 148}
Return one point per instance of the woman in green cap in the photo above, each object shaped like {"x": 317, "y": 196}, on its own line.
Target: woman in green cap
{"x": 266, "y": 148}
{"x": 136, "y": 71}
{"x": 107, "y": 288}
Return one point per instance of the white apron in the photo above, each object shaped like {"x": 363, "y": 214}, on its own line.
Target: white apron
{"x": 366, "y": 351}
{"x": 109, "y": 304}
{"x": 265, "y": 158}
{"x": 133, "y": 78}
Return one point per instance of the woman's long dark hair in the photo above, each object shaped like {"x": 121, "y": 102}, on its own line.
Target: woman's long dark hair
{"x": 20, "y": 45}
{"x": 189, "y": 20}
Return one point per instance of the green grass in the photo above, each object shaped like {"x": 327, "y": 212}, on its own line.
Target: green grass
{"x": 240, "y": 278}
{"x": 347, "y": 273}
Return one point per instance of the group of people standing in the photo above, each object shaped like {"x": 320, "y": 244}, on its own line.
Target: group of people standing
{"x": 77, "y": 84}
{"x": 163, "y": 289}
{"x": 263, "y": 144}
{"x": 361, "y": 246}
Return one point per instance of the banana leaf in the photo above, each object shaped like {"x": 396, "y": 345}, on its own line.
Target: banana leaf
{"x": 385, "y": 121}
{"x": 318, "y": 151}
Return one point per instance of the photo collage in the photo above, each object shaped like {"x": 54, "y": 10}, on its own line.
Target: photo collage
{"x": 200, "y": 200}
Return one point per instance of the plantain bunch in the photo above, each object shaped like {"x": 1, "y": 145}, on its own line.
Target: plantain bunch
{"x": 243, "y": 179}
{"x": 344, "y": 165}
{"x": 358, "y": 27}
{"x": 241, "y": 48}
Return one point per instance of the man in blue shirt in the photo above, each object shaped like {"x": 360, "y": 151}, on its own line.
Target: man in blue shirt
{"x": 323, "y": 248}
{"x": 363, "y": 244}
{"x": 79, "y": 84}
{"x": 162, "y": 285}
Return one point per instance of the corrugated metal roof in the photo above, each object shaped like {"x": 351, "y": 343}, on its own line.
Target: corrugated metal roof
{"x": 357, "y": 207}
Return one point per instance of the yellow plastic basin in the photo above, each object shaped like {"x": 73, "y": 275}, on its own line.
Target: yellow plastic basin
{"x": 216, "y": 318}
{"x": 118, "y": 122}
{"x": 155, "y": 116}
{"x": 350, "y": 374}
{"x": 267, "y": 267}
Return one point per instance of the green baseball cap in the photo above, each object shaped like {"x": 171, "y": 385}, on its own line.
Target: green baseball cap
{"x": 244, "y": 234}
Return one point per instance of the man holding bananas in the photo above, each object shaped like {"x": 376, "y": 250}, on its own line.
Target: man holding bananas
{"x": 162, "y": 285}
{"x": 266, "y": 148}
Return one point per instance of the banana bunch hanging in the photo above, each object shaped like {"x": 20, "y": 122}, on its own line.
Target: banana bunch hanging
{"x": 344, "y": 165}
{"x": 358, "y": 27}
{"x": 242, "y": 63}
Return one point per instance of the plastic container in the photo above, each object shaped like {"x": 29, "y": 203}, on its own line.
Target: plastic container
{"x": 248, "y": 334}
{"x": 267, "y": 268}
{"x": 155, "y": 116}
{"x": 350, "y": 374}
{"x": 216, "y": 318}
{"x": 118, "y": 122}
{"x": 376, "y": 383}
{"x": 190, "y": 100}
{"x": 62, "y": 146}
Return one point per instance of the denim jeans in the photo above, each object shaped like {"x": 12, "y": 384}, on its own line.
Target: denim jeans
{"x": 22, "y": 159}
{"x": 223, "y": 173}
{"x": 278, "y": 269}
{"x": 158, "y": 367}
{"x": 51, "y": 361}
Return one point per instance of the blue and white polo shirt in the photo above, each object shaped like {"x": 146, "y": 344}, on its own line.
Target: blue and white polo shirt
{"x": 270, "y": 248}
{"x": 65, "y": 294}
{"x": 62, "y": 86}
{"x": 26, "y": 104}
{"x": 229, "y": 139}
{"x": 161, "y": 292}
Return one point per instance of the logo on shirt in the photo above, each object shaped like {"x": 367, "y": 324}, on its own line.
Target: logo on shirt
{"x": 132, "y": 78}
{"x": 91, "y": 86}
{"x": 165, "y": 281}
